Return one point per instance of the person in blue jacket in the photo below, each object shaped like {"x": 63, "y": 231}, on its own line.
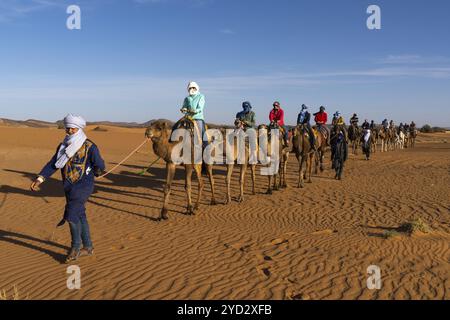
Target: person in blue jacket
{"x": 79, "y": 160}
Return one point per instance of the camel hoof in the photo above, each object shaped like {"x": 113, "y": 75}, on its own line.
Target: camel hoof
{"x": 213, "y": 202}
{"x": 190, "y": 211}
{"x": 240, "y": 199}
{"x": 163, "y": 214}
{"x": 269, "y": 192}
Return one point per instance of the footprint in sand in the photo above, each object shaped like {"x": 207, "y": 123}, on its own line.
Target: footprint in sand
{"x": 265, "y": 271}
{"x": 118, "y": 247}
{"x": 278, "y": 241}
{"x": 238, "y": 246}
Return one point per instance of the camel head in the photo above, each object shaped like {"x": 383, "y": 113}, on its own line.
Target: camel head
{"x": 157, "y": 129}
{"x": 263, "y": 126}
{"x": 238, "y": 124}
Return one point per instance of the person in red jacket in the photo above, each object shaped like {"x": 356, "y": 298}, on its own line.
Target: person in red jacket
{"x": 276, "y": 116}
{"x": 321, "y": 119}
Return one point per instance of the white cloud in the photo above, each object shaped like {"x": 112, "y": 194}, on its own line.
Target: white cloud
{"x": 13, "y": 9}
{"x": 227, "y": 31}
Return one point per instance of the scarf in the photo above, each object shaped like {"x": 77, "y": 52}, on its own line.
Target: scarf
{"x": 70, "y": 146}
{"x": 72, "y": 143}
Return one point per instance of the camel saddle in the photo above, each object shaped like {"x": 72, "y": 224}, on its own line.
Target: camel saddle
{"x": 188, "y": 123}
{"x": 322, "y": 130}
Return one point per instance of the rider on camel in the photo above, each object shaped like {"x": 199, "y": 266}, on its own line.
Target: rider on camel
{"x": 354, "y": 120}
{"x": 304, "y": 118}
{"x": 246, "y": 116}
{"x": 276, "y": 116}
{"x": 321, "y": 119}
{"x": 338, "y": 121}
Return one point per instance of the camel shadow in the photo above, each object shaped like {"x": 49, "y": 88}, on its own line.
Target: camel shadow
{"x": 52, "y": 188}
{"x": 20, "y": 240}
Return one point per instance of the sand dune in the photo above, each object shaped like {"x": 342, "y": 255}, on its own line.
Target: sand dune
{"x": 312, "y": 243}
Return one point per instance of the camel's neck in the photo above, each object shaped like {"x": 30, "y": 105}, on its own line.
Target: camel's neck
{"x": 161, "y": 146}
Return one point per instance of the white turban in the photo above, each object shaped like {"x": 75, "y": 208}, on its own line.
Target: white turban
{"x": 72, "y": 143}
{"x": 72, "y": 121}
{"x": 193, "y": 84}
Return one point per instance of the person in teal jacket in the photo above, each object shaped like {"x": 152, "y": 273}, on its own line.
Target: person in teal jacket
{"x": 194, "y": 104}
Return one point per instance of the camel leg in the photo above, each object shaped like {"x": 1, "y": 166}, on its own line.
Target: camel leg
{"x": 242, "y": 182}
{"x": 285, "y": 185}
{"x": 322, "y": 156}
{"x": 170, "y": 168}
{"x": 188, "y": 187}
{"x": 198, "y": 172}
{"x": 275, "y": 181}
{"x": 269, "y": 189}
{"x": 209, "y": 169}
{"x": 310, "y": 166}
{"x": 228, "y": 181}
{"x": 253, "y": 170}
{"x": 301, "y": 183}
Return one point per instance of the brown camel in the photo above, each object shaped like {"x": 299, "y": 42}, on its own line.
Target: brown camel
{"x": 374, "y": 136}
{"x": 412, "y": 137}
{"x": 385, "y": 137}
{"x": 321, "y": 146}
{"x": 238, "y": 130}
{"x": 354, "y": 135}
{"x": 159, "y": 132}
{"x": 304, "y": 153}
{"x": 283, "y": 155}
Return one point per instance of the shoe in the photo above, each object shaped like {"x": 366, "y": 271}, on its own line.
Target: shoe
{"x": 86, "y": 252}
{"x": 73, "y": 255}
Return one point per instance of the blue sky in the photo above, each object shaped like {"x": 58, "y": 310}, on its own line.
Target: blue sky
{"x": 132, "y": 59}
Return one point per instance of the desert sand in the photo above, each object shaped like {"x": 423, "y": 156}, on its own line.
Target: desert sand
{"x": 311, "y": 243}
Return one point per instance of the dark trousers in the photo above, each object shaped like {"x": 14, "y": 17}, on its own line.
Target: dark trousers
{"x": 80, "y": 233}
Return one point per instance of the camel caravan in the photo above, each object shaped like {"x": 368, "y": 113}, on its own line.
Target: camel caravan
{"x": 189, "y": 143}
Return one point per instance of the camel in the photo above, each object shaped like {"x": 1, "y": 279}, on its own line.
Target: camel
{"x": 354, "y": 135}
{"x": 304, "y": 153}
{"x": 239, "y": 129}
{"x": 159, "y": 133}
{"x": 412, "y": 137}
{"x": 321, "y": 145}
{"x": 385, "y": 136}
{"x": 392, "y": 138}
{"x": 375, "y": 135}
{"x": 283, "y": 155}
{"x": 400, "y": 140}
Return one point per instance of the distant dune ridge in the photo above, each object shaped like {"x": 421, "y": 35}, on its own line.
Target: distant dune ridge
{"x": 31, "y": 123}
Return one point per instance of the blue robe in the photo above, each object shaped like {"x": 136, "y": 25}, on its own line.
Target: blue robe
{"x": 77, "y": 192}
